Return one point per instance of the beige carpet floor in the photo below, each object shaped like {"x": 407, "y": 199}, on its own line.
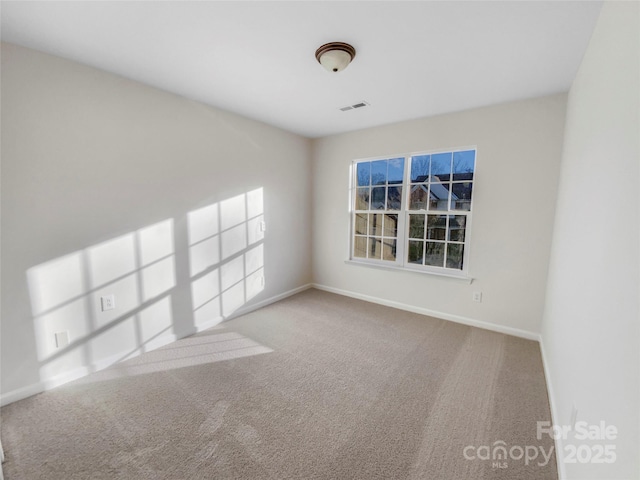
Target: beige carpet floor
{"x": 317, "y": 386}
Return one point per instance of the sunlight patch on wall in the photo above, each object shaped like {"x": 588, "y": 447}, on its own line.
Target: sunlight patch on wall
{"x": 204, "y": 239}
{"x": 254, "y": 271}
{"x": 155, "y": 320}
{"x": 232, "y": 273}
{"x": 233, "y": 225}
{"x": 112, "y": 260}
{"x": 205, "y": 297}
{"x": 138, "y": 268}
{"x": 225, "y": 265}
{"x": 226, "y": 255}
{"x": 56, "y": 282}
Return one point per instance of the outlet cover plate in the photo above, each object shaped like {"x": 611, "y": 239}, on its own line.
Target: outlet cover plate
{"x": 62, "y": 339}
{"x": 108, "y": 302}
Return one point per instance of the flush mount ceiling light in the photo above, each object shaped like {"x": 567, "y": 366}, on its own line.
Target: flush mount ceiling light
{"x": 335, "y": 56}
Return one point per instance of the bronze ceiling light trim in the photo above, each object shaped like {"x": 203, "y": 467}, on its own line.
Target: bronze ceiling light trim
{"x": 335, "y": 56}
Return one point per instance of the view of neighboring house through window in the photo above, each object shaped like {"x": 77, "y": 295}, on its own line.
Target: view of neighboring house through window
{"x": 414, "y": 211}
{"x": 378, "y": 203}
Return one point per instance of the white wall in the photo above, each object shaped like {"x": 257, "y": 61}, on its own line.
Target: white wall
{"x": 519, "y": 146}
{"x": 591, "y": 328}
{"x": 110, "y": 186}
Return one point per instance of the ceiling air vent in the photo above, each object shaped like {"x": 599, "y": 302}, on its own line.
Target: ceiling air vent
{"x": 354, "y": 106}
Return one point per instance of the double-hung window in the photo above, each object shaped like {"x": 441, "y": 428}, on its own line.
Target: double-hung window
{"x": 414, "y": 211}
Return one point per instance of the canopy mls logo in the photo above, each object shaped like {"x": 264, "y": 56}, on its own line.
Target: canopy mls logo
{"x": 499, "y": 452}
{"x": 593, "y": 448}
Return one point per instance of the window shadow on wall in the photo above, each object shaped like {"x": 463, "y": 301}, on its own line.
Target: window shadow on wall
{"x": 76, "y": 335}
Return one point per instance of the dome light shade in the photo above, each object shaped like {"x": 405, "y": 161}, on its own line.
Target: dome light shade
{"x": 335, "y": 56}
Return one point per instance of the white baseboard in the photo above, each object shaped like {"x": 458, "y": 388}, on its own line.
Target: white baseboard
{"x": 250, "y": 308}
{"x": 20, "y": 393}
{"x": 516, "y": 332}
{"x": 79, "y": 372}
{"x": 41, "y": 386}
{"x": 555, "y": 418}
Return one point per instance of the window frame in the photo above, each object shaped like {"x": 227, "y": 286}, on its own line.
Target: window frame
{"x": 402, "y": 239}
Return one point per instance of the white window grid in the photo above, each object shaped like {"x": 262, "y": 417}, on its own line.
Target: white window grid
{"x": 402, "y": 237}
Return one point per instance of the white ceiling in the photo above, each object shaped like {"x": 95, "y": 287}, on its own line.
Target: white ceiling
{"x": 414, "y": 59}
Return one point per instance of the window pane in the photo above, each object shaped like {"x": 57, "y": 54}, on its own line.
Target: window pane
{"x": 364, "y": 174}
{"x": 378, "y": 198}
{"x": 394, "y": 198}
{"x": 461, "y": 196}
{"x": 360, "y": 247}
{"x": 436, "y": 227}
{"x": 433, "y": 211}
{"x": 457, "y": 225}
{"x": 362, "y": 199}
{"x": 361, "y": 224}
{"x": 439, "y": 196}
{"x": 416, "y": 252}
{"x": 375, "y": 224}
{"x": 395, "y": 172}
{"x": 454, "y": 255}
{"x": 464, "y": 165}
{"x": 375, "y": 248}
{"x": 416, "y": 226}
{"x": 441, "y": 167}
{"x": 434, "y": 254}
{"x": 379, "y": 172}
{"x": 420, "y": 168}
{"x": 418, "y": 197}
{"x": 389, "y": 249}
{"x": 390, "y": 226}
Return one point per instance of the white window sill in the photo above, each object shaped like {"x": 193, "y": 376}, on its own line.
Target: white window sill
{"x": 455, "y": 276}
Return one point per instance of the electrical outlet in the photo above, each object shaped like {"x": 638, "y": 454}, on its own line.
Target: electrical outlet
{"x": 108, "y": 302}
{"x": 263, "y": 227}
{"x": 62, "y": 339}
{"x": 477, "y": 296}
